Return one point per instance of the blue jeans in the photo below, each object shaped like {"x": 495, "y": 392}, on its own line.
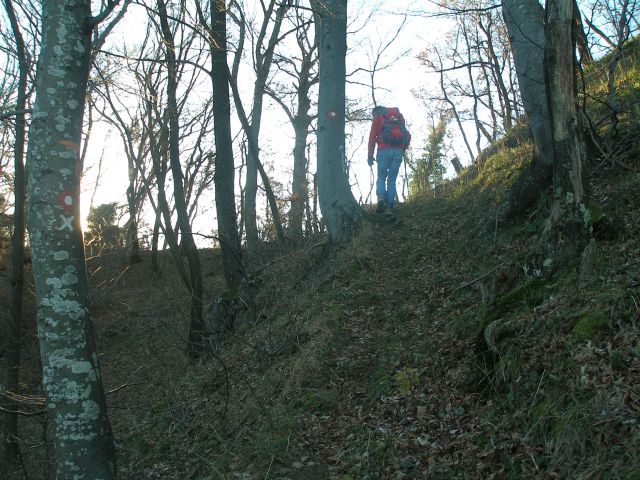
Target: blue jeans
{"x": 389, "y": 161}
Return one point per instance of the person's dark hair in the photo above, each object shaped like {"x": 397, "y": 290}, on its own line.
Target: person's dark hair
{"x": 377, "y": 109}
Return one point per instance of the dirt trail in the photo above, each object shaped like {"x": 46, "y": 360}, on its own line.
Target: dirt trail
{"x": 395, "y": 413}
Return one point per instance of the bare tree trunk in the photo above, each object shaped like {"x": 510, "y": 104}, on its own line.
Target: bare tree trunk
{"x": 570, "y": 225}
{"x": 71, "y": 376}
{"x": 132, "y": 224}
{"x": 14, "y": 330}
{"x": 455, "y": 113}
{"x": 316, "y": 222}
{"x": 306, "y": 77}
{"x": 584, "y": 53}
{"x": 503, "y": 92}
{"x": 622, "y": 33}
{"x": 224, "y": 164}
{"x": 480, "y": 130}
{"x": 301, "y": 122}
{"x": 155, "y": 237}
{"x": 299, "y": 183}
{"x": 263, "y": 54}
{"x": 195, "y": 343}
{"x": 340, "y": 211}
{"x": 525, "y": 24}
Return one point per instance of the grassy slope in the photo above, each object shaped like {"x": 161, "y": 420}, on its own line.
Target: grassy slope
{"x": 370, "y": 362}
{"x": 373, "y": 361}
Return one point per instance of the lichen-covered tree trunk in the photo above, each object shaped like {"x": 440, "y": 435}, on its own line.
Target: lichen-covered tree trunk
{"x": 84, "y": 447}
{"x": 569, "y": 217}
{"x": 340, "y": 211}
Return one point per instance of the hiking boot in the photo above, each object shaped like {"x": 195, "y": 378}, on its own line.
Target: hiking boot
{"x": 380, "y": 206}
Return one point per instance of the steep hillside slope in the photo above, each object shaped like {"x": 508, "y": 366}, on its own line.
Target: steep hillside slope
{"x": 427, "y": 348}
{"x": 433, "y": 345}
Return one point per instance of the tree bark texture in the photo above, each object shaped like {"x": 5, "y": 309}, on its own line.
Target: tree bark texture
{"x": 569, "y": 217}
{"x": 525, "y": 25}
{"x": 224, "y": 175}
{"x": 340, "y": 210}
{"x": 81, "y": 431}
{"x": 524, "y": 20}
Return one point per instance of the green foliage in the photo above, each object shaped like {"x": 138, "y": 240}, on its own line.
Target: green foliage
{"x": 102, "y": 231}
{"x": 406, "y": 379}
{"x": 102, "y": 216}
{"x": 590, "y": 325}
{"x": 499, "y": 171}
{"x": 428, "y": 170}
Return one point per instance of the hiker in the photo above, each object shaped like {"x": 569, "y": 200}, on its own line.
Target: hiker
{"x": 389, "y": 132}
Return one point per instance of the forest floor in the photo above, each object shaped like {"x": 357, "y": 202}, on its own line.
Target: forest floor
{"x": 428, "y": 347}
{"x": 373, "y": 361}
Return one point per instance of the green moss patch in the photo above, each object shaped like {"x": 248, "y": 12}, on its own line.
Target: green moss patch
{"x": 590, "y": 325}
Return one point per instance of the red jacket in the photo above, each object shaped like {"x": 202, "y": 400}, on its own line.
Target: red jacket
{"x": 374, "y": 134}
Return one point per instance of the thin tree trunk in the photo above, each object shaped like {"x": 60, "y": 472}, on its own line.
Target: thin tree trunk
{"x": 252, "y": 126}
{"x": 584, "y": 53}
{"x": 253, "y": 149}
{"x": 132, "y": 225}
{"x": 301, "y": 121}
{"x": 455, "y": 113}
{"x": 612, "y": 101}
{"x": 299, "y": 183}
{"x": 70, "y": 372}
{"x": 224, "y": 175}
{"x": 503, "y": 93}
{"x": 476, "y": 99}
{"x": 195, "y": 343}
{"x": 155, "y": 237}
{"x": 14, "y": 331}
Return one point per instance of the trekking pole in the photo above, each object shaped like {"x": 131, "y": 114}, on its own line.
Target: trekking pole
{"x": 406, "y": 177}
{"x": 371, "y": 182}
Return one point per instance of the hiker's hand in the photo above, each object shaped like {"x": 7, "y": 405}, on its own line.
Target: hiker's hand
{"x": 370, "y": 160}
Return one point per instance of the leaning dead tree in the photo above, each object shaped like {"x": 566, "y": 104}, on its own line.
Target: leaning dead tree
{"x": 570, "y": 221}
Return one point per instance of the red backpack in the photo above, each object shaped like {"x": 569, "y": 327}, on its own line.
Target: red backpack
{"x": 394, "y": 131}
